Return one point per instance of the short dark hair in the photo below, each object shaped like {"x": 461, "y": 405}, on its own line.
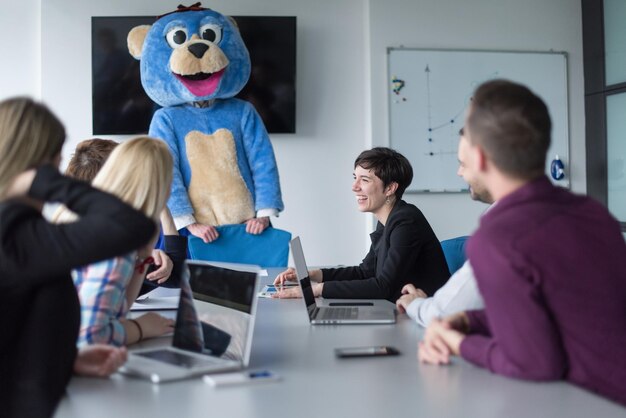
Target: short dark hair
{"x": 89, "y": 157}
{"x": 388, "y": 165}
{"x": 512, "y": 125}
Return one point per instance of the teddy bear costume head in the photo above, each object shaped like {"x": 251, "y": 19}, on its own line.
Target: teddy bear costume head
{"x": 200, "y": 56}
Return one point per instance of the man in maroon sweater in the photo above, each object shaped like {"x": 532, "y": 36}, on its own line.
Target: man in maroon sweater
{"x": 550, "y": 265}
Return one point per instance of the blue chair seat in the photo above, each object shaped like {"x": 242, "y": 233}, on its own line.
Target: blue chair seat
{"x": 235, "y": 245}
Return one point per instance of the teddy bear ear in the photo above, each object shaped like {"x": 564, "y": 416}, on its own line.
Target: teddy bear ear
{"x": 135, "y": 39}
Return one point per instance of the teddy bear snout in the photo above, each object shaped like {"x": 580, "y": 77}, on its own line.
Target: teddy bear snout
{"x": 198, "y": 49}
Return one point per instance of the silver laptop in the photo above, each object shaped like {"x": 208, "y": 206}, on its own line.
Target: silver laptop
{"x": 335, "y": 315}
{"x": 214, "y": 325}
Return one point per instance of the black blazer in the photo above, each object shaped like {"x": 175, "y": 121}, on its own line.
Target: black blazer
{"x": 405, "y": 250}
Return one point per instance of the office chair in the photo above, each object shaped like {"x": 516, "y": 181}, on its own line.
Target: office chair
{"x": 235, "y": 245}
{"x": 454, "y": 251}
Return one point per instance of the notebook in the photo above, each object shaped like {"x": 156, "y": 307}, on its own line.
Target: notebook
{"x": 335, "y": 315}
{"x": 214, "y": 325}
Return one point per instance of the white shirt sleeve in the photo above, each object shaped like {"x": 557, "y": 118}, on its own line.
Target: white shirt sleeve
{"x": 266, "y": 212}
{"x": 183, "y": 221}
{"x": 460, "y": 293}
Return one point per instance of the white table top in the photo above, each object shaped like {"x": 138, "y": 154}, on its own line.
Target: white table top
{"x": 317, "y": 384}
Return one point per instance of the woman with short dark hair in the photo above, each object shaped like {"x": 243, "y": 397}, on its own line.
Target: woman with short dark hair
{"x": 404, "y": 247}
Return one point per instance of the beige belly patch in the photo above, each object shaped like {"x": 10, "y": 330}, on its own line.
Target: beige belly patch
{"x": 217, "y": 191}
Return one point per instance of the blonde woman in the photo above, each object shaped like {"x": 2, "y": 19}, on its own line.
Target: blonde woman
{"x": 87, "y": 160}
{"x": 39, "y": 308}
{"x": 139, "y": 172}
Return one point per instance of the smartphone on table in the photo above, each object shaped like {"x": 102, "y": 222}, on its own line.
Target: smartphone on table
{"x": 376, "y": 351}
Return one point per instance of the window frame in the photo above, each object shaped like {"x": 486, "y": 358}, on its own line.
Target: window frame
{"x": 596, "y": 93}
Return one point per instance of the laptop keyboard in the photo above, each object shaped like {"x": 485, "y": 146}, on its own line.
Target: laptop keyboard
{"x": 177, "y": 359}
{"x": 339, "y": 313}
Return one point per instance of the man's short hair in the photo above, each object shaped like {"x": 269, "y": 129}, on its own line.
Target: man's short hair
{"x": 512, "y": 125}
{"x": 89, "y": 157}
{"x": 389, "y": 166}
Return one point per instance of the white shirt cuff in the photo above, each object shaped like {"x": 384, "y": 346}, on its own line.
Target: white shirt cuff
{"x": 413, "y": 309}
{"x": 184, "y": 220}
{"x": 266, "y": 212}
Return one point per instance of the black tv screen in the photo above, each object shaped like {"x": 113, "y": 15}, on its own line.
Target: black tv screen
{"x": 120, "y": 105}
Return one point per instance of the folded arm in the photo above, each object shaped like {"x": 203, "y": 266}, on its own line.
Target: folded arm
{"x": 107, "y": 227}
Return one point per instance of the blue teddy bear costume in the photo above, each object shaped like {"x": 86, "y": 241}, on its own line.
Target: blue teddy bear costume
{"x": 193, "y": 61}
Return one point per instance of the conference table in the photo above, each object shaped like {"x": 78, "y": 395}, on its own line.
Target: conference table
{"x": 315, "y": 383}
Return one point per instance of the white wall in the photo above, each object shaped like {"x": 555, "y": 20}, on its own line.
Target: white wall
{"x": 341, "y": 89}
{"x": 21, "y": 49}
{"x": 533, "y": 25}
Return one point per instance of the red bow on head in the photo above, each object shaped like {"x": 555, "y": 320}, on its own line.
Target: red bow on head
{"x": 181, "y": 8}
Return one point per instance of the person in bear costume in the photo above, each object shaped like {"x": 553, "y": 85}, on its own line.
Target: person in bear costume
{"x": 193, "y": 62}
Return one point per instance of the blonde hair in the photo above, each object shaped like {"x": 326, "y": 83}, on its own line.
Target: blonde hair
{"x": 29, "y": 136}
{"x": 139, "y": 172}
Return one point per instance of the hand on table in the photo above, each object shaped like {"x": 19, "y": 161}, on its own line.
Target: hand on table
{"x": 99, "y": 360}
{"x": 296, "y": 292}
{"x": 154, "y": 325}
{"x": 442, "y": 339}
{"x": 288, "y": 293}
{"x": 288, "y": 275}
{"x": 409, "y": 294}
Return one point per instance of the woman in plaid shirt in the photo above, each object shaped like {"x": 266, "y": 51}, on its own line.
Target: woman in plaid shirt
{"x": 139, "y": 172}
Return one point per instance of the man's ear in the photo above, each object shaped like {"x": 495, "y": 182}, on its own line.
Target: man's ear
{"x": 481, "y": 158}
{"x": 135, "y": 39}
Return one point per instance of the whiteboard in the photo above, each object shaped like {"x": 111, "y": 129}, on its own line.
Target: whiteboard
{"x": 429, "y": 91}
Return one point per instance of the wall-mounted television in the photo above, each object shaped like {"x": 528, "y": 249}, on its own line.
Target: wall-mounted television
{"x": 120, "y": 105}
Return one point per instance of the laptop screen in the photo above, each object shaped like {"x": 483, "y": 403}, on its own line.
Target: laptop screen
{"x": 215, "y": 313}
{"x": 302, "y": 272}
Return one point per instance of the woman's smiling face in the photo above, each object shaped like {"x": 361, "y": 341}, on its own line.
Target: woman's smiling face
{"x": 369, "y": 190}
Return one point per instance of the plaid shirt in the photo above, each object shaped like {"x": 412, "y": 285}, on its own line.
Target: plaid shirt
{"x": 102, "y": 292}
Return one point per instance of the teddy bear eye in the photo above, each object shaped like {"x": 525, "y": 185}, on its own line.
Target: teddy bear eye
{"x": 211, "y": 33}
{"x": 176, "y": 37}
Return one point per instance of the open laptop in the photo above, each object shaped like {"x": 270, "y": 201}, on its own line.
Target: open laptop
{"x": 334, "y": 315}
{"x": 214, "y": 325}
